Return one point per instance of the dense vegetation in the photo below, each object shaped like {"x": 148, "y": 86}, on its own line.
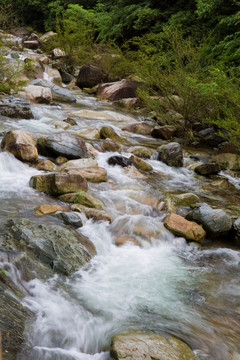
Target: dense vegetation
{"x": 190, "y": 48}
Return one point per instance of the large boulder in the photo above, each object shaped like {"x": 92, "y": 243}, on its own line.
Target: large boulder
{"x": 164, "y": 132}
{"x": 215, "y": 221}
{"x": 21, "y": 144}
{"x": 171, "y": 154}
{"x": 90, "y": 75}
{"x": 182, "y": 227}
{"x": 58, "y": 183}
{"x": 15, "y": 108}
{"x": 51, "y": 246}
{"x": 142, "y": 346}
{"x": 140, "y": 151}
{"x": 118, "y": 90}
{"x": 58, "y": 93}
{"x": 69, "y": 146}
{"x": 38, "y": 94}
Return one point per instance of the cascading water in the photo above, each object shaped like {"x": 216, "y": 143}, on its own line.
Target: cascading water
{"x": 165, "y": 286}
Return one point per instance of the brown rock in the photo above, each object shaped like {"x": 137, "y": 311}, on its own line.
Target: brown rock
{"x": 140, "y": 151}
{"x": 94, "y": 175}
{"x": 164, "y": 132}
{"x": 121, "y": 240}
{"x": 48, "y": 209}
{"x": 141, "y": 164}
{"x": 182, "y": 227}
{"x": 58, "y": 183}
{"x": 90, "y": 75}
{"x": 208, "y": 169}
{"x": 139, "y": 128}
{"x": 21, "y": 144}
{"x": 82, "y": 198}
{"x": 38, "y": 94}
{"x": 95, "y": 214}
{"x": 118, "y": 90}
{"x": 110, "y": 145}
{"x": 46, "y": 165}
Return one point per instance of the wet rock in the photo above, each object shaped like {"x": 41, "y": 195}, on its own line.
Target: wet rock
{"x": 58, "y": 183}
{"x": 58, "y": 54}
{"x": 139, "y": 128}
{"x": 90, "y": 75}
{"x": 48, "y": 209}
{"x": 228, "y": 161}
{"x": 119, "y": 160}
{"x": 182, "y": 227}
{"x": 208, "y": 169}
{"x": 79, "y": 164}
{"x": 15, "y": 108}
{"x": 58, "y": 93}
{"x": 107, "y": 132}
{"x": 21, "y": 144}
{"x": 72, "y": 218}
{"x": 70, "y": 121}
{"x": 94, "y": 175}
{"x": 89, "y": 134}
{"x": 140, "y": 164}
{"x": 214, "y": 221}
{"x": 134, "y": 173}
{"x": 55, "y": 76}
{"x": 171, "y": 154}
{"x": 46, "y": 165}
{"x": 110, "y": 145}
{"x": 186, "y": 199}
{"x": 140, "y": 151}
{"x": 90, "y": 213}
{"x": 13, "y": 318}
{"x": 125, "y": 88}
{"x": 65, "y": 145}
{"x": 164, "y": 132}
{"x": 142, "y": 346}
{"x": 60, "y": 160}
{"x": 38, "y": 94}
{"x": 236, "y": 230}
{"x": 56, "y": 247}
{"x": 82, "y": 198}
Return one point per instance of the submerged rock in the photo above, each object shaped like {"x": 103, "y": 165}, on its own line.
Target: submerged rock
{"x": 171, "y": 154}
{"x": 141, "y": 346}
{"x": 215, "y": 221}
{"x": 82, "y": 198}
{"x": 65, "y": 145}
{"x": 21, "y": 144}
{"x": 91, "y": 213}
{"x": 182, "y": 227}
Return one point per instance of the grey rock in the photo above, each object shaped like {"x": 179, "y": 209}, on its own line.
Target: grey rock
{"x": 214, "y": 221}
{"x": 171, "y": 154}
{"x": 71, "y": 218}
{"x": 54, "y": 246}
{"x": 58, "y": 93}
{"x": 236, "y": 230}
{"x": 69, "y": 146}
{"x": 15, "y": 108}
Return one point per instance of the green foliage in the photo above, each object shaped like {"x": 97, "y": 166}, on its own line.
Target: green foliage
{"x": 79, "y": 197}
{"x": 8, "y": 15}
{"x": 3, "y": 272}
{"x": 9, "y": 75}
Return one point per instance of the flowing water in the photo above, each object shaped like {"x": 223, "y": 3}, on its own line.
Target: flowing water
{"x": 165, "y": 286}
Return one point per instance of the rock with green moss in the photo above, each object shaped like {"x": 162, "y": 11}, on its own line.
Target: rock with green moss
{"x": 186, "y": 199}
{"x": 141, "y": 346}
{"x": 228, "y": 161}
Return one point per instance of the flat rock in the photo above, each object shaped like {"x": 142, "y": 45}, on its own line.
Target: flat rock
{"x": 139, "y": 346}
{"x": 15, "y": 108}
{"x": 208, "y": 169}
{"x": 94, "y": 175}
{"x": 89, "y": 134}
{"x": 79, "y": 164}
{"x": 48, "y": 209}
